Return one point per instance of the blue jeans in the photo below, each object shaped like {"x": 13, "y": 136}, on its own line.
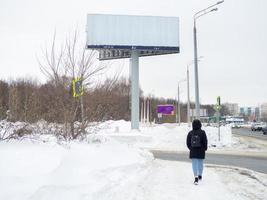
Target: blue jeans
{"x": 197, "y": 165}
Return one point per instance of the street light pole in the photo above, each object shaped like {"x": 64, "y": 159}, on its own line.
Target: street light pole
{"x": 197, "y": 107}
{"x": 179, "y": 109}
{"x": 188, "y": 91}
{"x": 196, "y": 16}
{"x": 188, "y": 97}
{"x": 178, "y": 102}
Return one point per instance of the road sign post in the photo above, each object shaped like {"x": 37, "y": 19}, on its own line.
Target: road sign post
{"x": 218, "y": 108}
{"x": 77, "y": 92}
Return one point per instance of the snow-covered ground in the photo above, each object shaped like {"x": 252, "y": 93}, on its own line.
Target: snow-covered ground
{"x": 114, "y": 163}
{"x": 172, "y": 137}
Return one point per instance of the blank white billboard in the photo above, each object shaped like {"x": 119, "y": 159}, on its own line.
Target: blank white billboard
{"x": 132, "y": 32}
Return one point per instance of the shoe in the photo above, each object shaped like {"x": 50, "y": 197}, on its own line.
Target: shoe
{"x": 196, "y": 181}
{"x": 199, "y": 177}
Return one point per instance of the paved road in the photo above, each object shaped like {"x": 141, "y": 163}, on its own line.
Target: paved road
{"x": 256, "y": 163}
{"x": 249, "y": 133}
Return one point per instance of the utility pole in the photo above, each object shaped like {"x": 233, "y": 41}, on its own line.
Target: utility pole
{"x": 142, "y": 112}
{"x": 179, "y": 109}
{"x": 188, "y": 98}
{"x": 148, "y": 110}
{"x": 218, "y": 108}
{"x": 197, "y": 107}
{"x": 178, "y": 102}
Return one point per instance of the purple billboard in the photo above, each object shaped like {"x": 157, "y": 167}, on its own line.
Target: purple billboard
{"x": 167, "y": 109}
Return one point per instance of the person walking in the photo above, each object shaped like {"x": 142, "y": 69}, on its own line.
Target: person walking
{"x": 197, "y": 143}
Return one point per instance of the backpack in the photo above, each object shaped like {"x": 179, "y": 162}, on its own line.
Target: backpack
{"x": 195, "y": 140}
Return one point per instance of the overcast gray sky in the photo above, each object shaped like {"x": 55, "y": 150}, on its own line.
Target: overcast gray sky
{"x": 232, "y": 41}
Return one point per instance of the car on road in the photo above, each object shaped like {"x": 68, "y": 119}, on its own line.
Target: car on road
{"x": 235, "y": 125}
{"x": 264, "y": 130}
{"x": 257, "y": 126}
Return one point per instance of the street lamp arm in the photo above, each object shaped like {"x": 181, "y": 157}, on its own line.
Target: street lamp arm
{"x": 206, "y": 12}
{"x": 180, "y": 81}
{"x": 192, "y": 61}
{"x": 203, "y": 10}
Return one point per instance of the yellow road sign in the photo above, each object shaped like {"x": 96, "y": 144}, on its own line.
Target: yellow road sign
{"x": 77, "y": 87}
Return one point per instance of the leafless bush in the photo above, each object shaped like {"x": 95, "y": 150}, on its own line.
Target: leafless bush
{"x": 9, "y": 130}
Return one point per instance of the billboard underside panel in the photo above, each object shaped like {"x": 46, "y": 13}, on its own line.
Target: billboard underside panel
{"x": 107, "y": 54}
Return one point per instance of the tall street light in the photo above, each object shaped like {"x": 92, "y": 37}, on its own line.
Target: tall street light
{"x": 188, "y": 90}
{"x": 178, "y": 102}
{"x": 196, "y": 16}
{"x": 188, "y": 96}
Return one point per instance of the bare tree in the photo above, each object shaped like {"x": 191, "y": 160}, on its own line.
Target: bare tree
{"x": 62, "y": 66}
{"x": 109, "y": 100}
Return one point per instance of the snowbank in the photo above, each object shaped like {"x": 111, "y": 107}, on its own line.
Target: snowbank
{"x": 164, "y": 136}
{"x": 159, "y": 136}
{"x": 40, "y": 167}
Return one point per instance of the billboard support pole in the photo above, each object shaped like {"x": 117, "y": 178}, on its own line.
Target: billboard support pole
{"x": 134, "y": 64}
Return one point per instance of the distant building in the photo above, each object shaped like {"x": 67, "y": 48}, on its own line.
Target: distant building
{"x": 251, "y": 113}
{"x": 232, "y": 108}
{"x": 242, "y": 111}
{"x": 263, "y": 112}
{"x": 257, "y": 112}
